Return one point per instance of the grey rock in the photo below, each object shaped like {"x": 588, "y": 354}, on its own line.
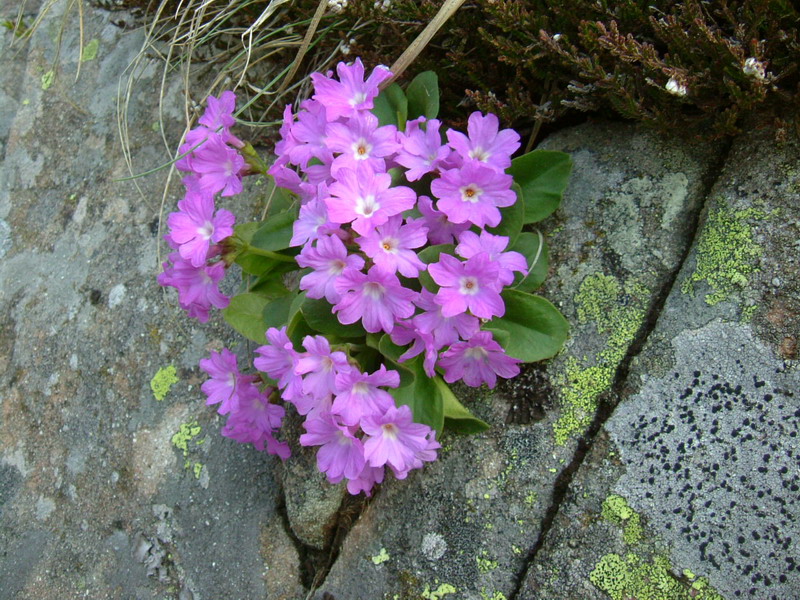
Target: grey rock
{"x": 703, "y": 448}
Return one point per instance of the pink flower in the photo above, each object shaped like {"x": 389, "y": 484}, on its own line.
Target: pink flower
{"x": 196, "y": 226}
{"x": 255, "y": 422}
{"x": 485, "y": 143}
{"x": 469, "y": 244}
{"x": 479, "y": 360}
{"x": 351, "y": 93}
{"x": 360, "y": 140}
{"x": 377, "y": 298}
{"x": 198, "y": 287}
{"x": 470, "y": 285}
{"x": 405, "y": 333}
{"x": 219, "y": 111}
{"x": 368, "y": 477}
{"x": 422, "y": 149}
{"x": 218, "y": 166}
{"x": 473, "y": 194}
{"x": 391, "y": 245}
{"x": 394, "y": 439}
{"x": 365, "y": 199}
{"x": 329, "y": 259}
{"x": 341, "y": 454}
{"x": 278, "y": 359}
{"x": 445, "y": 330}
{"x": 359, "y": 394}
{"x": 226, "y": 383}
{"x": 319, "y": 367}
{"x": 440, "y": 229}
{"x": 311, "y": 223}
{"x": 308, "y": 134}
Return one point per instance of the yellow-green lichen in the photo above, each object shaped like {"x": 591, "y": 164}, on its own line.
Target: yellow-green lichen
{"x": 90, "y": 50}
{"x": 632, "y": 576}
{"x": 616, "y": 510}
{"x": 617, "y": 312}
{"x": 494, "y": 596}
{"x": 485, "y": 564}
{"x": 726, "y": 253}
{"x": 181, "y": 439}
{"x": 381, "y": 557}
{"x": 440, "y": 592}
{"x": 162, "y": 381}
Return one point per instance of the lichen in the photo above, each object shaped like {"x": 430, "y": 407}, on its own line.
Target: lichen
{"x": 494, "y": 596}
{"x": 632, "y": 576}
{"x": 162, "y": 381}
{"x": 485, "y": 564}
{"x": 726, "y": 253}
{"x": 181, "y": 439}
{"x": 616, "y": 510}
{"x": 617, "y": 311}
{"x": 381, "y": 557}
{"x": 443, "y": 590}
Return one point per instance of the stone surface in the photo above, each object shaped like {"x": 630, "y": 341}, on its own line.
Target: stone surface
{"x": 704, "y": 448}
{"x": 482, "y": 504}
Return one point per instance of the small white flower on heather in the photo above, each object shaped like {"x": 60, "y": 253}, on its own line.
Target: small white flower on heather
{"x": 382, "y": 5}
{"x": 676, "y": 88}
{"x": 337, "y": 6}
{"x": 754, "y": 68}
{"x": 557, "y": 37}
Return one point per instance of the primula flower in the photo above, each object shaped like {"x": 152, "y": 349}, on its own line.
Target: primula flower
{"x": 359, "y": 394}
{"x": 196, "y": 226}
{"x": 219, "y": 167}
{"x": 445, "y": 330}
{"x": 365, "y": 199}
{"x": 473, "y": 193}
{"x": 329, "y": 259}
{"x": 470, "y": 285}
{"x": 470, "y": 244}
{"x": 255, "y": 421}
{"x": 198, "y": 287}
{"x": 440, "y": 229}
{"x": 360, "y": 140}
{"x": 351, "y": 93}
{"x": 319, "y": 367}
{"x": 309, "y": 134}
{"x": 478, "y": 360}
{"x": 219, "y": 111}
{"x": 405, "y": 333}
{"x": 311, "y": 223}
{"x": 368, "y": 477}
{"x": 341, "y": 454}
{"x": 394, "y": 439}
{"x": 226, "y": 383}
{"x": 485, "y": 143}
{"x": 422, "y": 149}
{"x": 391, "y": 245}
{"x": 377, "y": 298}
{"x": 278, "y": 359}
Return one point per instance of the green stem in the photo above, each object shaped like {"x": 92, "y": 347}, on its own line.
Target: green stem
{"x": 268, "y": 253}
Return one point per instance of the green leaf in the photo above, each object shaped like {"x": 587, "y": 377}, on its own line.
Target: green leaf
{"x": 528, "y": 245}
{"x": 318, "y": 314}
{"x": 511, "y": 219}
{"x": 431, "y": 255}
{"x": 245, "y": 314}
{"x": 423, "y": 96}
{"x": 276, "y": 312}
{"x": 457, "y": 416}
{"x": 245, "y": 231}
{"x": 532, "y": 329}
{"x": 90, "y": 50}
{"x": 422, "y": 396}
{"x": 276, "y": 233}
{"x": 298, "y": 329}
{"x": 278, "y": 199}
{"x": 543, "y": 177}
{"x": 391, "y": 107}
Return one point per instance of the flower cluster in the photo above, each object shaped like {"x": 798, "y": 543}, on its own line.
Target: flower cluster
{"x": 210, "y": 158}
{"x": 362, "y": 233}
{"x": 356, "y": 423}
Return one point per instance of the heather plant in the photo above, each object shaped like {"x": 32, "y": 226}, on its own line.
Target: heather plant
{"x": 390, "y": 263}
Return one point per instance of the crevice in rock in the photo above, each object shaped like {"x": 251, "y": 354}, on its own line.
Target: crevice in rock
{"x": 315, "y": 564}
{"x": 619, "y": 389}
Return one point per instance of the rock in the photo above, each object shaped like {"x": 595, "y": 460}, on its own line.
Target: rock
{"x": 617, "y": 240}
{"x": 703, "y": 449}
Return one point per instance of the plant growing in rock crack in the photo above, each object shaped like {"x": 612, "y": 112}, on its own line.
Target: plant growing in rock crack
{"x": 388, "y": 265}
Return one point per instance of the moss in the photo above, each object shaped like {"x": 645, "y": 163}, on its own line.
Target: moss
{"x": 162, "y": 381}
{"x": 632, "y": 576}
{"x": 617, "y": 311}
{"x": 726, "y": 253}
{"x": 616, "y": 510}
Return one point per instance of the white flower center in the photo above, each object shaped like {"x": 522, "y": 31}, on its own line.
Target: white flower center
{"x": 476, "y": 353}
{"x": 361, "y": 388}
{"x": 389, "y": 245}
{"x": 389, "y": 430}
{"x": 366, "y": 207}
{"x": 479, "y": 154}
{"x": 358, "y": 98}
{"x": 468, "y": 286}
{"x": 336, "y": 266}
{"x": 470, "y": 193}
{"x": 361, "y": 149}
{"x": 206, "y": 230}
{"x": 374, "y": 290}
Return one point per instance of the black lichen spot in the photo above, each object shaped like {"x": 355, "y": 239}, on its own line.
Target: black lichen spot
{"x": 94, "y": 297}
